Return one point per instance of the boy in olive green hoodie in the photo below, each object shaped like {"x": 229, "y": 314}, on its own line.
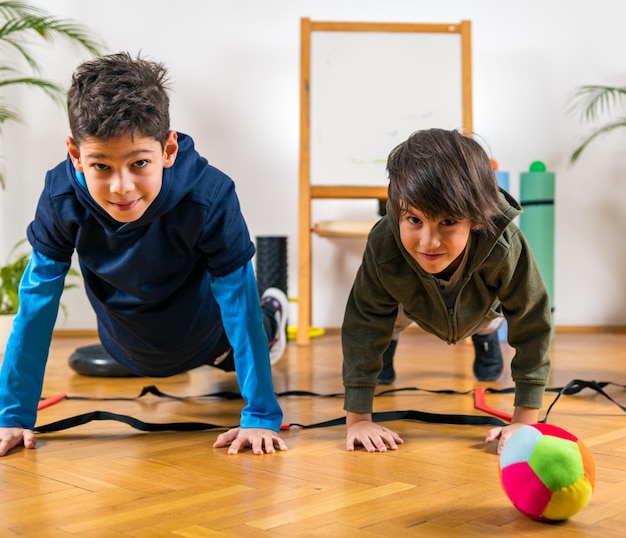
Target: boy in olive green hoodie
{"x": 448, "y": 257}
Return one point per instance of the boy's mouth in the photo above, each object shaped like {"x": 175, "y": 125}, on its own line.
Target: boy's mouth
{"x": 430, "y": 257}
{"x": 125, "y": 206}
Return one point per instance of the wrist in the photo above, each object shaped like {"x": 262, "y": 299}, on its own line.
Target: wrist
{"x": 525, "y": 415}
{"x": 353, "y": 418}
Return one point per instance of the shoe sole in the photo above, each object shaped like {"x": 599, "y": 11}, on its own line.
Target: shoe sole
{"x": 278, "y": 349}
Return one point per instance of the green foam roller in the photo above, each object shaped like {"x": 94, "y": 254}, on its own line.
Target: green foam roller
{"x": 537, "y": 220}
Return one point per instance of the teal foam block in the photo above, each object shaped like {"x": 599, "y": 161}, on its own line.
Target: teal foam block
{"x": 537, "y": 220}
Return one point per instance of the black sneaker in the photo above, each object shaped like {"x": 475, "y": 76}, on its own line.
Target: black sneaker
{"x": 275, "y": 303}
{"x": 388, "y": 375}
{"x": 488, "y": 364}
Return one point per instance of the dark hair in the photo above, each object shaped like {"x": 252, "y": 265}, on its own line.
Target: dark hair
{"x": 443, "y": 174}
{"x": 118, "y": 94}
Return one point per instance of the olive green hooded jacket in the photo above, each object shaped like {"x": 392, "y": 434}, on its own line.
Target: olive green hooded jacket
{"x": 501, "y": 275}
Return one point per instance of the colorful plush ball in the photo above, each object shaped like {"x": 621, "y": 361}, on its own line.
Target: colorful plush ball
{"x": 546, "y": 472}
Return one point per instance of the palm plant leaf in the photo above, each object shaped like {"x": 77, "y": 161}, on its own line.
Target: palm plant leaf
{"x": 8, "y": 114}
{"x": 19, "y": 23}
{"x": 602, "y": 130}
{"x": 595, "y": 100}
{"x": 16, "y": 9}
{"x": 47, "y": 27}
{"x": 56, "y": 92}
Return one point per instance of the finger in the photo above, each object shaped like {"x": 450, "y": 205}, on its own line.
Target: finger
{"x": 502, "y": 442}
{"x": 269, "y": 444}
{"x": 381, "y": 440}
{"x": 367, "y": 444}
{"x": 257, "y": 443}
{"x": 384, "y": 442}
{"x": 392, "y": 439}
{"x": 355, "y": 440}
{"x": 381, "y": 446}
{"x": 493, "y": 434}
{"x": 5, "y": 446}
{"x": 281, "y": 444}
{"x": 235, "y": 446}
{"x": 387, "y": 439}
{"x": 224, "y": 438}
{"x": 220, "y": 441}
{"x": 30, "y": 440}
{"x": 277, "y": 443}
{"x": 243, "y": 440}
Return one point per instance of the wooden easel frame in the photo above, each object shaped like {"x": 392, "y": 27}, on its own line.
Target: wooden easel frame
{"x": 310, "y": 192}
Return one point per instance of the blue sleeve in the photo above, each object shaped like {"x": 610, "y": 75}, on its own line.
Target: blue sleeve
{"x": 237, "y": 295}
{"x": 26, "y": 354}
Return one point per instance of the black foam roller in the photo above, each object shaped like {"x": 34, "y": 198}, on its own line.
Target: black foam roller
{"x": 271, "y": 263}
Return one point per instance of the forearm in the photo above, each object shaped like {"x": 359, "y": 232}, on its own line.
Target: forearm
{"x": 359, "y": 399}
{"x": 24, "y": 361}
{"x": 238, "y": 298}
{"x": 365, "y": 334}
{"x": 529, "y": 394}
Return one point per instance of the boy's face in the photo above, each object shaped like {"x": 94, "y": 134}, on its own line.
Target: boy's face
{"x": 434, "y": 244}
{"x": 124, "y": 174}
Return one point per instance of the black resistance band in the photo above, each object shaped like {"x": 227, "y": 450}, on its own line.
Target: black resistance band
{"x": 573, "y": 387}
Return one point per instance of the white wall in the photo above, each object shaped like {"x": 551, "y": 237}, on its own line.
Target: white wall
{"x": 235, "y": 68}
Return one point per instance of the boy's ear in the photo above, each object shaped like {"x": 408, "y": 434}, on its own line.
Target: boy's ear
{"x": 171, "y": 149}
{"x": 74, "y": 152}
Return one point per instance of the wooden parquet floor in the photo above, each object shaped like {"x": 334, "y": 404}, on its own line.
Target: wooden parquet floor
{"x": 104, "y": 479}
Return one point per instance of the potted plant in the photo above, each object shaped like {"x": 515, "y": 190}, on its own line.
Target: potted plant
{"x": 20, "y": 25}
{"x": 592, "y": 101}
{"x": 10, "y": 276}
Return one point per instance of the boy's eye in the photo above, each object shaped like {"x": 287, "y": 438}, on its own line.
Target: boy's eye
{"x": 100, "y": 167}
{"x": 448, "y": 222}
{"x": 140, "y": 163}
{"x": 413, "y": 220}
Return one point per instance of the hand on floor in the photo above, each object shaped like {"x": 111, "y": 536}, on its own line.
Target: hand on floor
{"x": 262, "y": 441}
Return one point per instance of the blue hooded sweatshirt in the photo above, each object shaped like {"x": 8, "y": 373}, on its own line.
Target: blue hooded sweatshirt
{"x": 164, "y": 288}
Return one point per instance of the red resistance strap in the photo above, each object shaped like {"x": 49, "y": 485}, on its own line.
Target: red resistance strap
{"x": 480, "y": 403}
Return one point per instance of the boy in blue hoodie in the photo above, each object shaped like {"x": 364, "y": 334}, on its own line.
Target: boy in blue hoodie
{"x": 164, "y": 251}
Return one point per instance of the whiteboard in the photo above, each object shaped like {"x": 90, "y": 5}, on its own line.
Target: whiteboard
{"x": 370, "y": 90}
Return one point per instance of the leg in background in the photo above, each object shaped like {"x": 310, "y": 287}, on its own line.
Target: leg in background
{"x": 388, "y": 375}
{"x": 488, "y": 362}
{"x": 274, "y": 305}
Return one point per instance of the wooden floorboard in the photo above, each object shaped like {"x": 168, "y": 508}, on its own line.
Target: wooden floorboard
{"x": 107, "y": 479}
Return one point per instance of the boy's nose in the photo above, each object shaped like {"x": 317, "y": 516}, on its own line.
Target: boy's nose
{"x": 429, "y": 238}
{"x": 122, "y": 184}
